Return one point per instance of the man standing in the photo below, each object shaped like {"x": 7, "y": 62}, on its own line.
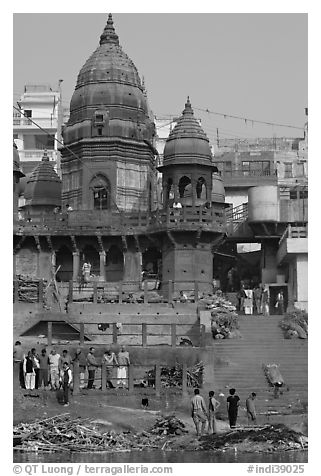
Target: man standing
{"x": 250, "y": 408}
{"x": 92, "y": 365}
{"x": 266, "y": 301}
{"x": 257, "y": 294}
{"x": 54, "y": 360}
{"x": 66, "y": 382}
{"x": 280, "y": 303}
{"x": 66, "y": 357}
{"x": 198, "y": 412}
{"x": 233, "y": 403}
{"x": 44, "y": 368}
{"x": 81, "y": 359}
{"x": 18, "y": 359}
{"x": 213, "y": 405}
{"x": 36, "y": 366}
{"x": 124, "y": 363}
{"x": 109, "y": 360}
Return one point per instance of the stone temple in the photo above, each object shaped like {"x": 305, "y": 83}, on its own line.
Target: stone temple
{"x": 121, "y": 217}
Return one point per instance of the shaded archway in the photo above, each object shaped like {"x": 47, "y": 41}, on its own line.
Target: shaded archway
{"x": 114, "y": 264}
{"x": 64, "y": 262}
{"x": 201, "y": 188}
{"x": 185, "y": 187}
{"x": 151, "y": 262}
{"x": 101, "y": 192}
{"x": 89, "y": 254}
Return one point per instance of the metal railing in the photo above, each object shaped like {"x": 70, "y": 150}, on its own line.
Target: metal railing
{"x": 143, "y": 332}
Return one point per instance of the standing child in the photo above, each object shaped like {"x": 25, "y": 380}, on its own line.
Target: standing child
{"x": 66, "y": 379}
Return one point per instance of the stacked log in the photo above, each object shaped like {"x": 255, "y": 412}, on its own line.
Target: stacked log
{"x": 173, "y": 376}
{"x": 295, "y": 325}
{"x": 28, "y": 289}
{"x": 168, "y": 425}
{"x": 224, "y": 318}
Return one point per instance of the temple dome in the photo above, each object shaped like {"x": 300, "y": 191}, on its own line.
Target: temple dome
{"x": 43, "y": 187}
{"x": 187, "y": 143}
{"x": 109, "y": 83}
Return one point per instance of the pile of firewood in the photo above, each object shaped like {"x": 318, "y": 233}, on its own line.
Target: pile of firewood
{"x": 28, "y": 289}
{"x": 295, "y": 324}
{"x": 61, "y": 433}
{"x": 173, "y": 376}
{"x": 224, "y": 318}
{"x": 168, "y": 425}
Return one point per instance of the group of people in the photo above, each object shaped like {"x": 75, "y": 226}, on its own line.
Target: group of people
{"x": 56, "y": 371}
{"x": 257, "y": 301}
{"x": 203, "y": 414}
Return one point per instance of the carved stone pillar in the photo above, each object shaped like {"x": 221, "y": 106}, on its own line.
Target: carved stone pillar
{"x": 102, "y": 261}
{"x": 75, "y": 265}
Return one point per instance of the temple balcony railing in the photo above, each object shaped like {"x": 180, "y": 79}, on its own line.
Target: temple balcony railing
{"x": 124, "y": 223}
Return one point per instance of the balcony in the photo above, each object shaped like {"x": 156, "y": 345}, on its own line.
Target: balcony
{"x": 248, "y": 178}
{"x": 25, "y": 123}
{"x": 293, "y": 241}
{"x": 36, "y": 154}
{"x": 109, "y": 222}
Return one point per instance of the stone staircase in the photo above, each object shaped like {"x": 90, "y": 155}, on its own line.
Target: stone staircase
{"x": 238, "y": 363}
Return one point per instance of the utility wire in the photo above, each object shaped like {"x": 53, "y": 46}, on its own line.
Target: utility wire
{"x": 71, "y": 151}
{"x": 246, "y": 119}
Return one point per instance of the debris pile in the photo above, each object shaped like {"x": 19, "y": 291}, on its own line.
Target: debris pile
{"x": 28, "y": 289}
{"x": 61, "y": 433}
{"x": 273, "y": 374}
{"x": 173, "y": 376}
{"x": 268, "y": 438}
{"x": 168, "y": 425}
{"x": 295, "y": 325}
{"x": 224, "y": 318}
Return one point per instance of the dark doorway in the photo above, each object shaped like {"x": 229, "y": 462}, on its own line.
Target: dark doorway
{"x": 114, "y": 264}
{"x": 65, "y": 261}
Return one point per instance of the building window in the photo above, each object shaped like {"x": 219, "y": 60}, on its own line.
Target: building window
{"x": 101, "y": 195}
{"x": 100, "y": 131}
{"x": 257, "y": 168}
{"x": 100, "y": 198}
{"x": 99, "y": 118}
{"x": 28, "y": 113}
{"x": 38, "y": 141}
{"x": 303, "y": 194}
{"x": 287, "y": 170}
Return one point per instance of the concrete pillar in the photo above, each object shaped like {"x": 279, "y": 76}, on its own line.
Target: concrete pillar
{"x": 103, "y": 378}
{"x": 184, "y": 379}
{"x": 76, "y": 378}
{"x": 75, "y": 265}
{"x": 144, "y": 334}
{"x": 102, "y": 261}
{"x": 158, "y": 383}
{"x": 130, "y": 374}
{"x": 53, "y": 262}
{"x": 81, "y": 333}
{"x": 49, "y": 333}
{"x": 173, "y": 335}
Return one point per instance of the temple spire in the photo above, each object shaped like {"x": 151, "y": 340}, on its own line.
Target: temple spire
{"x": 188, "y": 107}
{"x": 109, "y": 35}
